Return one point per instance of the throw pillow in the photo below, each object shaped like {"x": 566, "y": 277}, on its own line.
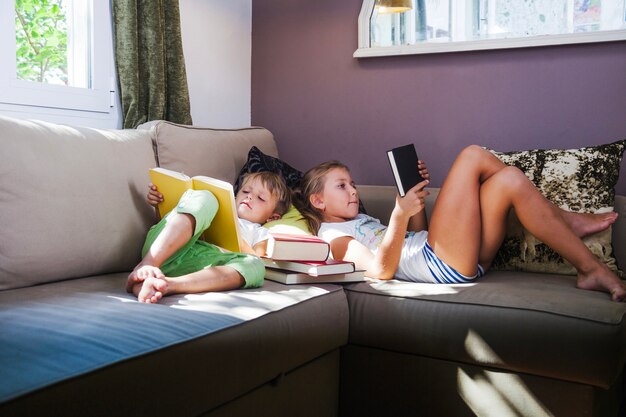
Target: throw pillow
{"x": 578, "y": 180}
{"x": 260, "y": 162}
{"x": 291, "y": 222}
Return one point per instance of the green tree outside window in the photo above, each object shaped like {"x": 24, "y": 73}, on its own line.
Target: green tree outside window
{"x": 41, "y": 41}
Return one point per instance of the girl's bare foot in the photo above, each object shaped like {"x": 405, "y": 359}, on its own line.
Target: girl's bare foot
{"x": 152, "y": 290}
{"x": 602, "y": 279}
{"x": 585, "y": 224}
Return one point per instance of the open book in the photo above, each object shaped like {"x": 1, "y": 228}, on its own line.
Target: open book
{"x": 224, "y": 229}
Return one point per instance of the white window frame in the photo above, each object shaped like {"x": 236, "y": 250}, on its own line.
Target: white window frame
{"x": 366, "y": 50}
{"x": 97, "y": 99}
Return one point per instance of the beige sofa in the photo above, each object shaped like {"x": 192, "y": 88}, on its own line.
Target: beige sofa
{"x": 73, "y": 343}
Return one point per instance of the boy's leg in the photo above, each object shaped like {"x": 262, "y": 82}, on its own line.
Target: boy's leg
{"x": 174, "y": 235}
{"x": 218, "y": 278}
{"x": 221, "y": 272}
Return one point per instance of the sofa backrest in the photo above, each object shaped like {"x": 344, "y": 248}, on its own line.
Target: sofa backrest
{"x": 379, "y": 201}
{"x": 71, "y": 201}
{"x": 218, "y": 153}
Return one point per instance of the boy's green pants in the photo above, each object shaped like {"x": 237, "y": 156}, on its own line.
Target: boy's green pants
{"x": 197, "y": 254}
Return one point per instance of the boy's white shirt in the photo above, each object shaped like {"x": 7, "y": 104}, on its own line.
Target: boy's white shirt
{"x": 252, "y": 233}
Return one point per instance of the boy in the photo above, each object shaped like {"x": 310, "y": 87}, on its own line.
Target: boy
{"x": 176, "y": 261}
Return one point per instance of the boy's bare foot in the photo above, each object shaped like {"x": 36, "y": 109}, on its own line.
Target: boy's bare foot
{"x": 152, "y": 290}
{"x": 585, "y": 224}
{"x": 602, "y": 279}
{"x": 141, "y": 273}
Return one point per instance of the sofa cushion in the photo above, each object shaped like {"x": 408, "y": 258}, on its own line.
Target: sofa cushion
{"x": 211, "y": 347}
{"x": 532, "y": 323}
{"x": 193, "y": 150}
{"x": 71, "y": 201}
{"x": 578, "y": 180}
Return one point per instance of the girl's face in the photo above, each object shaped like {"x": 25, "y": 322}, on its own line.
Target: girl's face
{"x": 339, "y": 201}
{"x": 255, "y": 202}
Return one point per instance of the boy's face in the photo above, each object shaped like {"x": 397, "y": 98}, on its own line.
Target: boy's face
{"x": 256, "y": 203}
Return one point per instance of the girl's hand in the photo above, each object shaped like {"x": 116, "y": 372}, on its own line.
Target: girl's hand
{"x": 423, "y": 170}
{"x": 154, "y": 197}
{"x": 414, "y": 200}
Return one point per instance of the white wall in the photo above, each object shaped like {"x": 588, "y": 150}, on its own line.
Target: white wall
{"x": 218, "y": 46}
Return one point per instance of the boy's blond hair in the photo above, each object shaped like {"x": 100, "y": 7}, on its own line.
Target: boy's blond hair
{"x": 276, "y": 185}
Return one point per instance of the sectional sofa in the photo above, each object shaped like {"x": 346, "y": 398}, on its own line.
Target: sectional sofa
{"x": 74, "y": 343}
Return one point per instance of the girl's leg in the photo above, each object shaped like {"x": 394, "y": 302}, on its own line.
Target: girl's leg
{"x": 455, "y": 230}
{"x": 510, "y": 188}
{"x": 469, "y": 220}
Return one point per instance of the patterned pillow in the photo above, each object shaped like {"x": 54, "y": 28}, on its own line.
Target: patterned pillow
{"x": 578, "y": 180}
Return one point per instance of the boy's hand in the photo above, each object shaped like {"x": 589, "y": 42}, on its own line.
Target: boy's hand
{"x": 154, "y": 197}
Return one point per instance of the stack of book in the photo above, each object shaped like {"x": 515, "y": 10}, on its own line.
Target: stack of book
{"x": 300, "y": 259}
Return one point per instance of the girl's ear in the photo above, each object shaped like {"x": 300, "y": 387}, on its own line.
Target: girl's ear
{"x": 317, "y": 201}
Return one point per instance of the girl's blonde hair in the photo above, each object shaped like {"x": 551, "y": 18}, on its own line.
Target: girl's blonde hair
{"x": 313, "y": 183}
{"x": 276, "y": 186}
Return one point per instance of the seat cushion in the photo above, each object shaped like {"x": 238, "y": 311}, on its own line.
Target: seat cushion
{"x": 212, "y": 347}
{"x": 533, "y": 323}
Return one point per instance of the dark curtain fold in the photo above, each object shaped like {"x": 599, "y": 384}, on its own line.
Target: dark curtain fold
{"x": 150, "y": 62}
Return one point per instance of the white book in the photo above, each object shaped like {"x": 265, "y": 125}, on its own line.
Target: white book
{"x": 289, "y": 277}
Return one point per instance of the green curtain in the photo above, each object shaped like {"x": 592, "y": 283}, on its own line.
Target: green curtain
{"x": 150, "y": 62}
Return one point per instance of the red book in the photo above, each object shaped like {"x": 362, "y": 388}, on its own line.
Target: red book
{"x": 288, "y": 247}
{"x": 327, "y": 267}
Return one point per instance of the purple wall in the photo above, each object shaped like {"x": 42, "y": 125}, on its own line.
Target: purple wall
{"x": 321, "y": 103}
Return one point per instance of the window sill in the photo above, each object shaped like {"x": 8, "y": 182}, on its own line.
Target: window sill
{"x": 486, "y": 44}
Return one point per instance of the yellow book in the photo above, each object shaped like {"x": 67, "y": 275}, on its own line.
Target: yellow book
{"x": 224, "y": 229}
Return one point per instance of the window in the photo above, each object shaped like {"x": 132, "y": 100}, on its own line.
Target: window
{"x": 459, "y": 25}
{"x": 54, "y": 54}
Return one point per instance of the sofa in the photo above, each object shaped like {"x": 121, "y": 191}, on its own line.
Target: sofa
{"x": 74, "y": 343}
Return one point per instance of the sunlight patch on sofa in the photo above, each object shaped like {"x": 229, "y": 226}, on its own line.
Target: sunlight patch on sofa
{"x": 416, "y": 289}
{"x": 243, "y": 304}
{"x": 490, "y": 393}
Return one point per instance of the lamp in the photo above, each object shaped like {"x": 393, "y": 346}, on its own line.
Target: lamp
{"x": 393, "y": 6}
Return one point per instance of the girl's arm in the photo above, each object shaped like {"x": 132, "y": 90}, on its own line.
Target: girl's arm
{"x": 384, "y": 263}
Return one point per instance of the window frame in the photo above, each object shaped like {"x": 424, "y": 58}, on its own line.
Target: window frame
{"x": 365, "y": 49}
{"x": 96, "y": 99}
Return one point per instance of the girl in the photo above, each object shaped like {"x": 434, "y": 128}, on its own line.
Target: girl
{"x": 466, "y": 229}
